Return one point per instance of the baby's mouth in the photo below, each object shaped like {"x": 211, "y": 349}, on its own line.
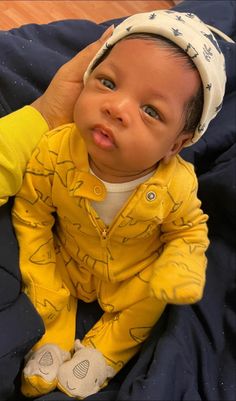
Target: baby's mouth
{"x": 103, "y": 137}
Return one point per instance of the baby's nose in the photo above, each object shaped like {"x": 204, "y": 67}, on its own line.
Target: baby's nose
{"x": 118, "y": 109}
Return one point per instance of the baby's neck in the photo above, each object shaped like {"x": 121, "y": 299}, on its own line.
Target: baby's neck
{"x": 119, "y": 176}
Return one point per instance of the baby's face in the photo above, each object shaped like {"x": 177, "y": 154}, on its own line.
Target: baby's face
{"x": 131, "y": 111}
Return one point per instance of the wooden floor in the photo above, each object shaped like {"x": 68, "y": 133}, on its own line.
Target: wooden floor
{"x": 16, "y": 13}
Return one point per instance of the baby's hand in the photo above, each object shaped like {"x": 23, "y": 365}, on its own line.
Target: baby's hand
{"x": 85, "y": 373}
{"x": 57, "y": 103}
{"x": 177, "y": 284}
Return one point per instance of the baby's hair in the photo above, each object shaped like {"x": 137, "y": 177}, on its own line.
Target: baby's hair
{"x": 193, "y": 108}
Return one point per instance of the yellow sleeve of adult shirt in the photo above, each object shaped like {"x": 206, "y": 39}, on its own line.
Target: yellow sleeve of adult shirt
{"x": 20, "y": 131}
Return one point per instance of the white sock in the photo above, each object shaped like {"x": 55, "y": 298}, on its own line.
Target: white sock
{"x": 45, "y": 362}
{"x": 85, "y": 373}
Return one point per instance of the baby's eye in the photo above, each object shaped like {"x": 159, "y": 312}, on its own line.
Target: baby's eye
{"x": 107, "y": 83}
{"x": 151, "y": 111}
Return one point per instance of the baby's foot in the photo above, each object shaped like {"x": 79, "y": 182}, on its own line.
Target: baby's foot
{"x": 85, "y": 373}
{"x": 40, "y": 373}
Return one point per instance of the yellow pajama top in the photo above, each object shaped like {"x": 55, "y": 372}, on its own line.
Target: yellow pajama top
{"x": 158, "y": 238}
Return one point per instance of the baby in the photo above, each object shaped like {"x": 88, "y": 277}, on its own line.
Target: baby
{"x": 108, "y": 210}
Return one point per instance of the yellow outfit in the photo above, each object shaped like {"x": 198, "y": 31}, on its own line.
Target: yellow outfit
{"x": 152, "y": 253}
{"x": 16, "y": 145}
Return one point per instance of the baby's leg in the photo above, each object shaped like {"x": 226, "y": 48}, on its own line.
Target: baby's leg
{"x": 119, "y": 335}
{"x": 130, "y": 315}
{"x": 41, "y": 369}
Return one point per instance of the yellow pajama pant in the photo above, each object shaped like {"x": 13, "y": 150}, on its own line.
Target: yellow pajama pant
{"x": 129, "y": 313}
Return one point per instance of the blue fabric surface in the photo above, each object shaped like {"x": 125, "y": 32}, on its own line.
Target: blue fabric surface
{"x": 191, "y": 353}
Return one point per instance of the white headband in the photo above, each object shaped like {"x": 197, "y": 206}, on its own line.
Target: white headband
{"x": 199, "y": 43}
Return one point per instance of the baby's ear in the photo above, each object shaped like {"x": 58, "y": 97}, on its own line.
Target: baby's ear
{"x": 177, "y": 146}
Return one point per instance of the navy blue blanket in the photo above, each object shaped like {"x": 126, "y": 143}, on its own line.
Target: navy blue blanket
{"x": 191, "y": 353}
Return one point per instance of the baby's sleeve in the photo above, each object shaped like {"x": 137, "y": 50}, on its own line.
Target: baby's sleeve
{"x": 33, "y": 219}
{"x": 179, "y": 272}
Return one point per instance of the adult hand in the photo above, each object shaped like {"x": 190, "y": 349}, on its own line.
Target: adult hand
{"x": 57, "y": 103}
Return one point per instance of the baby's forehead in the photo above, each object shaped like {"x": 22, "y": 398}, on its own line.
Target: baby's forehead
{"x": 138, "y": 49}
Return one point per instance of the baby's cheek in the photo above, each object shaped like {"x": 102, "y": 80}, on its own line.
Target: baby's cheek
{"x": 78, "y": 109}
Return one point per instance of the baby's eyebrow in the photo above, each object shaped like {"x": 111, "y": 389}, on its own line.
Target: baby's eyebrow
{"x": 157, "y": 95}
{"x": 113, "y": 66}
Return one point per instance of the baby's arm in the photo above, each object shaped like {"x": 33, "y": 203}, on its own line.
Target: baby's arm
{"x": 179, "y": 273}
{"x": 33, "y": 221}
